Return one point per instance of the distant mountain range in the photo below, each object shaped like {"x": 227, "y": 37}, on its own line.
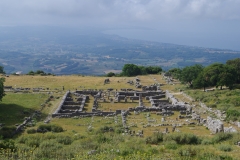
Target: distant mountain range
{"x": 62, "y": 51}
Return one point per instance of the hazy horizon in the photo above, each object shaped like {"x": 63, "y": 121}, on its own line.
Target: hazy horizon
{"x": 202, "y": 23}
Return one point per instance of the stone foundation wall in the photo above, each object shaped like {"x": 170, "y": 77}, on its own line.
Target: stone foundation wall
{"x": 214, "y": 125}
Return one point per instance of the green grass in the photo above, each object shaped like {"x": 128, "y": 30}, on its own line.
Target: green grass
{"x": 81, "y": 125}
{"x": 218, "y": 99}
{"x": 14, "y": 107}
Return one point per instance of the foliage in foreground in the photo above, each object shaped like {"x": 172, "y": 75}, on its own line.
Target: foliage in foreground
{"x": 7, "y": 131}
{"x": 105, "y": 143}
{"x": 49, "y": 128}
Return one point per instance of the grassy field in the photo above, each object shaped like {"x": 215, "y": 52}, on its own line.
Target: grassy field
{"x": 221, "y": 99}
{"x": 106, "y": 135}
{"x": 15, "y": 107}
{"x": 69, "y": 82}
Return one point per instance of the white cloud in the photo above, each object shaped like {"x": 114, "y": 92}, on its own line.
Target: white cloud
{"x": 176, "y": 19}
{"x": 118, "y": 11}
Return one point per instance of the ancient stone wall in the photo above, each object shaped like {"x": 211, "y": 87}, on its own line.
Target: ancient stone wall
{"x": 214, "y": 125}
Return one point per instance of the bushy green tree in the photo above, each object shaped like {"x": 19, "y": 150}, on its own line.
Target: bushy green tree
{"x": 2, "y": 80}
{"x": 131, "y": 70}
{"x": 143, "y": 70}
{"x": 218, "y": 74}
{"x": 110, "y": 74}
{"x": 190, "y": 73}
{"x": 175, "y": 72}
{"x": 215, "y": 75}
{"x": 212, "y": 72}
{"x": 1, "y": 70}
{"x": 153, "y": 69}
{"x": 31, "y": 73}
{"x": 40, "y": 72}
{"x": 2, "y": 84}
{"x": 200, "y": 81}
{"x": 235, "y": 63}
{"x": 227, "y": 77}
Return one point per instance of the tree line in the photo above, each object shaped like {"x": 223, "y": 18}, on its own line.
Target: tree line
{"x": 130, "y": 70}
{"x": 1, "y": 83}
{"x": 214, "y": 75}
{"x": 38, "y": 72}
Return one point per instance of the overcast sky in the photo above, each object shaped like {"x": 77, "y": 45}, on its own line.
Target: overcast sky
{"x": 207, "y": 23}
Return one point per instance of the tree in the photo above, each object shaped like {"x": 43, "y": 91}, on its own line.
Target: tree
{"x": 131, "y": 70}
{"x": 175, "y": 72}
{"x": 143, "y": 70}
{"x": 40, "y": 72}
{"x": 110, "y": 74}
{"x": 30, "y": 73}
{"x": 227, "y": 77}
{"x": 235, "y": 63}
{"x": 212, "y": 74}
{"x": 1, "y": 70}
{"x": 153, "y": 69}
{"x": 1, "y": 84}
{"x": 1, "y": 88}
{"x": 200, "y": 81}
{"x": 190, "y": 73}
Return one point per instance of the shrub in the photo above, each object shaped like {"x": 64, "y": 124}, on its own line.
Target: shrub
{"x": 228, "y": 94}
{"x": 31, "y": 131}
{"x": 171, "y": 145}
{"x": 155, "y": 138}
{"x": 235, "y": 139}
{"x": 225, "y": 148}
{"x": 44, "y": 128}
{"x": 110, "y": 74}
{"x": 152, "y": 150}
{"x": 236, "y": 86}
{"x": 21, "y": 139}
{"x": 212, "y": 156}
{"x": 47, "y": 149}
{"x": 49, "y": 135}
{"x": 232, "y": 114}
{"x": 105, "y": 129}
{"x": 49, "y": 127}
{"x": 219, "y": 137}
{"x": 133, "y": 145}
{"x": 188, "y": 151}
{"x": 7, "y": 132}
{"x": 183, "y": 138}
{"x": 119, "y": 130}
{"x": 56, "y": 128}
{"x": 206, "y": 142}
{"x": 225, "y": 157}
{"x": 89, "y": 144}
{"x": 77, "y": 137}
{"x": 7, "y": 144}
{"x": 102, "y": 138}
{"x": 33, "y": 141}
{"x": 66, "y": 140}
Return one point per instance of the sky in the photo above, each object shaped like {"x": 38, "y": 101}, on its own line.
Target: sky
{"x": 204, "y": 23}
